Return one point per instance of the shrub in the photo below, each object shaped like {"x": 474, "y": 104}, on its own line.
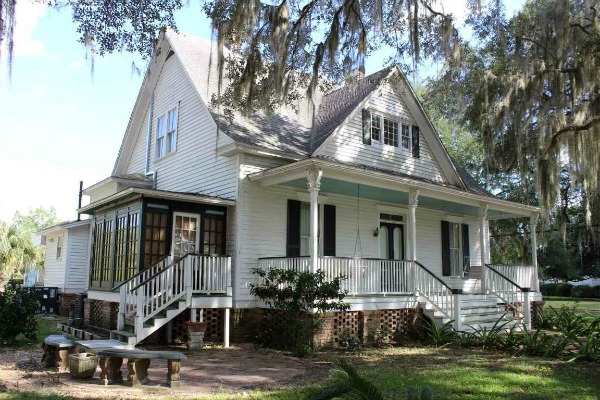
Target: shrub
{"x": 18, "y": 306}
{"x": 548, "y": 289}
{"x": 564, "y": 289}
{"x": 297, "y": 294}
{"x": 586, "y": 292}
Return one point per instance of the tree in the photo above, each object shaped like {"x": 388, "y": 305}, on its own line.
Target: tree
{"x": 528, "y": 84}
{"x": 17, "y": 250}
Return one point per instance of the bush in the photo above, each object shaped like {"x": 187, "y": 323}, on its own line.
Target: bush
{"x": 586, "y": 292}
{"x": 18, "y": 306}
{"x": 548, "y": 289}
{"x": 564, "y": 289}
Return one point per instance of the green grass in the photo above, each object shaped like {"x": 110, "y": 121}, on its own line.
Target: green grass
{"x": 46, "y": 326}
{"x": 582, "y": 306}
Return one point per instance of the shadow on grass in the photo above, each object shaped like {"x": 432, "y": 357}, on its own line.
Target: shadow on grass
{"x": 20, "y": 395}
{"x": 475, "y": 374}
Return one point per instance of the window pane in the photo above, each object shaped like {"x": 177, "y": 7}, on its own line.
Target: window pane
{"x": 375, "y": 127}
{"x": 390, "y": 132}
{"x": 406, "y": 136}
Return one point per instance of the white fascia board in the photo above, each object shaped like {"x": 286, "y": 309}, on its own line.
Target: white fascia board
{"x": 141, "y": 103}
{"x": 156, "y": 194}
{"x": 293, "y": 171}
{"x": 64, "y": 226}
{"x": 97, "y": 185}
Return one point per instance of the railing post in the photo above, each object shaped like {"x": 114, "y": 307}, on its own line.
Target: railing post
{"x": 226, "y": 328}
{"x": 456, "y": 309}
{"x": 228, "y": 277}
{"x": 526, "y": 308}
{"x": 139, "y": 308}
{"x": 535, "y": 284}
{"x": 122, "y": 307}
{"x": 483, "y": 245}
{"x": 187, "y": 265}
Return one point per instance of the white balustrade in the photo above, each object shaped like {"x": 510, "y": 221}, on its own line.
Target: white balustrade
{"x": 522, "y": 275}
{"x": 435, "y": 291}
{"x": 502, "y": 281}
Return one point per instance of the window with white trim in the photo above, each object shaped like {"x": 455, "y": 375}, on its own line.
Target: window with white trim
{"x": 166, "y": 133}
{"x": 406, "y": 138}
{"x": 380, "y": 130}
{"x": 59, "y": 247}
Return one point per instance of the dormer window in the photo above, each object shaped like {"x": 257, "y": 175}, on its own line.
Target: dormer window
{"x": 166, "y": 133}
{"x": 383, "y": 130}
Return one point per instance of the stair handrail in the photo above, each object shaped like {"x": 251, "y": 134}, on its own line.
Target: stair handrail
{"x": 445, "y": 302}
{"x": 520, "y": 305}
{"x": 157, "y": 273}
{"x": 114, "y": 289}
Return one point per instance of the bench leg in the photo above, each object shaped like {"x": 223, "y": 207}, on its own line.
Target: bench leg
{"x": 173, "y": 373}
{"x": 138, "y": 371}
{"x": 62, "y": 359}
{"x": 110, "y": 370}
{"x": 48, "y": 358}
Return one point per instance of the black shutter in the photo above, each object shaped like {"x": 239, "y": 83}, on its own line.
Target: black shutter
{"x": 366, "y": 126}
{"x": 465, "y": 247}
{"x": 445, "y": 248}
{"x": 293, "y": 229}
{"x": 416, "y": 152}
{"x": 329, "y": 230}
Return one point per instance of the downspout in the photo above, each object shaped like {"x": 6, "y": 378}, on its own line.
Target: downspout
{"x": 147, "y": 171}
{"x": 79, "y": 202}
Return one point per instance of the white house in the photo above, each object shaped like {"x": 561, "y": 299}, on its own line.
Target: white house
{"x": 365, "y": 189}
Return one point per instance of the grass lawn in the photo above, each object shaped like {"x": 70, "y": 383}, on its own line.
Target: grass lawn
{"x": 452, "y": 374}
{"x": 583, "y": 306}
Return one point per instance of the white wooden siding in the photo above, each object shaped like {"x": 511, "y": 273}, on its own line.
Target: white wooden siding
{"x": 76, "y": 279}
{"x": 194, "y": 167}
{"x": 54, "y": 269}
{"x": 263, "y": 230}
{"x": 346, "y": 145}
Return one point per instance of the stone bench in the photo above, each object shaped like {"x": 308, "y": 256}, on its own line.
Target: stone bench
{"x": 56, "y": 352}
{"x": 138, "y": 362}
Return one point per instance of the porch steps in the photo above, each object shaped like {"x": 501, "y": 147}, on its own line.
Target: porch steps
{"x": 150, "y": 326}
{"x": 478, "y": 312}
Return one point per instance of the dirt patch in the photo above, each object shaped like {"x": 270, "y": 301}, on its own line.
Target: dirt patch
{"x": 234, "y": 370}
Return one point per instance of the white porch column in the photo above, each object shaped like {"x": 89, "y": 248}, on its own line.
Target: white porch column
{"x": 413, "y": 202}
{"x": 313, "y": 178}
{"x": 535, "y": 286}
{"x": 484, "y": 240}
{"x": 193, "y": 317}
{"x": 226, "y": 327}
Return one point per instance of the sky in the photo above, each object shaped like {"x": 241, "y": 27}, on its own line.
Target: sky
{"x": 59, "y": 122}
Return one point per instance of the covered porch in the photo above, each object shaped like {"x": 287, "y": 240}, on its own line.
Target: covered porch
{"x": 409, "y": 237}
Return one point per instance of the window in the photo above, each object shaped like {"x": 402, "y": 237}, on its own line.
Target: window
{"x": 298, "y": 229}
{"x": 375, "y": 127}
{"x": 59, "y": 246}
{"x": 214, "y": 232}
{"x": 390, "y": 132}
{"x": 166, "y": 133}
{"x": 126, "y": 249}
{"x": 101, "y": 251}
{"x": 155, "y": 237}
{"x": 455, "y": 248}
{"x": 405, "y": 137}
{"x": 383, "y": 130}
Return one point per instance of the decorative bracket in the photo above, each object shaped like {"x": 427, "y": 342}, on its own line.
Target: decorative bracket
{"x": 413, "y": 198}
{"x": 313, "y": 178}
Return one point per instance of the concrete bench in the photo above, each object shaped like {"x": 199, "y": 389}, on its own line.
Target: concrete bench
{"x": 56, "y": 352}
{"x": 138, "y": 362}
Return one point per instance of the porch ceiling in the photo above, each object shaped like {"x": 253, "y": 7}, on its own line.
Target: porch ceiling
{"x": 335, "y": 186}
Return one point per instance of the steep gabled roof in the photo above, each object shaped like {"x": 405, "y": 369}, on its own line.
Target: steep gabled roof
{"x": 336, "y": 106}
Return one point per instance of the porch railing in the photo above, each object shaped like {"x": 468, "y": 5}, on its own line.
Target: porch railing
{"x": 521, "y": 275}
{"x": 509, "y": 292}
{"x": 437, "y": 292}
{"x": 364, "y": 276}
{"x": 193, "y": 273}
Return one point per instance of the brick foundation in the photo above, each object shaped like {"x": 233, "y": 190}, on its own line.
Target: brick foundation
{"x": 67, "y": 301}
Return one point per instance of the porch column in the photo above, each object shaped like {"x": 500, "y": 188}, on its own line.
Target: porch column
{"x": 535, "y": 285}
{"x": 483, "y": 238}
{"x": 313, "y": 178}
{"x": 413, "y": 202}
{"x": 226, "y": 327}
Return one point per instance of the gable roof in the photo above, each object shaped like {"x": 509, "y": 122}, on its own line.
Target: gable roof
{"x": 298, "y": 134}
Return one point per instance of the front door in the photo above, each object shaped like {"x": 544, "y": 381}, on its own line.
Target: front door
{"x": 186, "y": 234}
{"x": 391, "y": 241}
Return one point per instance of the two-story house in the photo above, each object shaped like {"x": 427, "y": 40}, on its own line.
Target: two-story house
{"x": 363, "y": 188}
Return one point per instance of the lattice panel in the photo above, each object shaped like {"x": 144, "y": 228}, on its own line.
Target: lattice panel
{"x": 393, "y": 321}
{"x": 345, "y": 325}
{"x": 214, "y": 324}
{"x": 96, "y": 313}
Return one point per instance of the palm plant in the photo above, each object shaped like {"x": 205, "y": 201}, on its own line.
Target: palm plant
{"x": 348, "y": 382}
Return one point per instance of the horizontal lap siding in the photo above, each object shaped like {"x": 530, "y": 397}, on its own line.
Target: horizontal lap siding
{"x": 103, "y": 191}
{"x": 194, "y": 166}
{"x": 137, "y": 159}
{"x": 54, "y": 269}
{"x": 77, "y": 260}
{"x": 264, "y": 229}
{"x": 347, "y": 146}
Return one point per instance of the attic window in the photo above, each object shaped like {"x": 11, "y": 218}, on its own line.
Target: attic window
{"x": 378, "y": 130}
{"x": 166, "y": 133}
